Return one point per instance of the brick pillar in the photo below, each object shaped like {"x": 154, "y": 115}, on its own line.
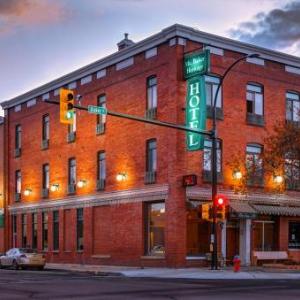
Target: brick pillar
{"x": 175, "y": 230}
{"x": 283, "y": 234}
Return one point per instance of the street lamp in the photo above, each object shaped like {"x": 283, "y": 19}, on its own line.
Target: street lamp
{"x": 214, "y": 137}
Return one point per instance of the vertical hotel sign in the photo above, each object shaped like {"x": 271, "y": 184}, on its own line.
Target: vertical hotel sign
{"x": 196, "y": 65}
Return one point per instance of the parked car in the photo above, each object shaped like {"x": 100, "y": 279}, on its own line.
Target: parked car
{"x": 20, "y": 258}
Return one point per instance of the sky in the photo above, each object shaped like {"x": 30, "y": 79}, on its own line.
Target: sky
{"x": 41, "y": 40}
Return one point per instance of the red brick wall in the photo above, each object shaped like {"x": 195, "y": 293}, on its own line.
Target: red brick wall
{"x": 118, "y": 230}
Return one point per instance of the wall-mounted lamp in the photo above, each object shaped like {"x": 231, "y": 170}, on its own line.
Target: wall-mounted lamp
{"x": 121, "y": 176}
{"x": 81, "y": 183}
{"x": 54, "y": 187}
{"x": 278, "y": 179}
{"x": 27, "y": 192}
{"x": 237, "y": 175}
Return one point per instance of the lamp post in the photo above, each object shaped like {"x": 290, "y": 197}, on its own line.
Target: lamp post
{"x": 214, "y": 137}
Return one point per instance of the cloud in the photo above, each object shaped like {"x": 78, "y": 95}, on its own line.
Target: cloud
{"x": 279, "y": 28}
{"x": 16, "y": 14}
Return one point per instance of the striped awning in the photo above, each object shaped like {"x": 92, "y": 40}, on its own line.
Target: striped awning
{"x": 242, "y": 207}
{"x": 277, "y": 210}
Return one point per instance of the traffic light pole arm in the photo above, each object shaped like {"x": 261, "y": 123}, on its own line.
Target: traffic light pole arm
{"x": 144, "y": 120}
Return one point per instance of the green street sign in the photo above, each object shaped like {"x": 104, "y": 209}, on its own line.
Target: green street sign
{"x": 196, "y": 64}
{"x": 98, "y": 110}
{"x": 195, "y": 112}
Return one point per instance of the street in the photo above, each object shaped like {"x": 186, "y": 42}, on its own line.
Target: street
{"x": 65, "y": 285}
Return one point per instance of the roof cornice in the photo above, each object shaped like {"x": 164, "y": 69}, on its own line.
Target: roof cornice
{"x": 153, "y": 41}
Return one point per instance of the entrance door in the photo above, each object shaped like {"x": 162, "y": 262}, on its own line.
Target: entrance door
{"x": 232, "y": 239}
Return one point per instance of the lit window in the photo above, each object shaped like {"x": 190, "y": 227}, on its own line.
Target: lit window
{"x": 46, "y": 128}
{"x": 18, "y": 182}
{"x": 155, "y": 229}
{"x": 46, "y": 176}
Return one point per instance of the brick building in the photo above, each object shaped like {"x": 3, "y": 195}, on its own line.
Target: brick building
{"x": 109, "y": 190}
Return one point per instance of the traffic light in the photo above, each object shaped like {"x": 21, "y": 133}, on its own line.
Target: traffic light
{"x": 220, "y": 203}
{"x": 66, "y": 101}
{"x": 206, "y": 211}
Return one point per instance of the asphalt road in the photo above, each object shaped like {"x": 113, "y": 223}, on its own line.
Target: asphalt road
{"x": 64, "y": 285}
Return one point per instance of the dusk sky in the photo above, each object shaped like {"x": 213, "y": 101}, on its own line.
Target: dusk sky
{"x": 41, "y": 40}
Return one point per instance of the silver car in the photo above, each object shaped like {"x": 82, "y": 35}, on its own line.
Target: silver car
{"x": 19, "y": 258}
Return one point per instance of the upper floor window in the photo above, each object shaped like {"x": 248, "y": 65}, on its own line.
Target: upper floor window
{"x": 101, "y": 119}
{"x": 18, "y": 137}
{"x": 254, "y": 164}
{"x": 207, "y": 157}
{"x": 46, "y": 176}
{"x": 151, "y": 161}
{"x": 151, "y": 97}
{"x": 46, "y": 128}
{"x": 101, "y": 174}
{"x": 72, "y": 130}
{"x": 292, "y": 107}
{"x": 211, "y": 86}
{"x": 255, "y": 104}
{"x": 292, "y": 172}
{"x": 72, "y": 175}
{"x": 18, "y": 182}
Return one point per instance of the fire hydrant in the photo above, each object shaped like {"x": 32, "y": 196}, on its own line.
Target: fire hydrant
{"x": 236, "y": 264}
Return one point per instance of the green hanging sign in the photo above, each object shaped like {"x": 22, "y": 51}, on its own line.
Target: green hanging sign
{"x": 195, "y": 112}
{"x": 196, "y": 64}
{"x": 1, "y": 217}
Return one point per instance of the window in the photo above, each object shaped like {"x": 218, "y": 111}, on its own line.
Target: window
{"x": 31, "y": 102}
{"x": 151, "y": 52}
{"x": 155, "y": 229}
{"x": 254, "y": 164}
{"x": 72, "y": 174}
{"x": 207, "y": 156}
{"x": 124, "y": 63}
{"x": 255, "y": 104}
{"x": 292, "y": 107}
{"x": 72, "y": 127}
{"x": 45, "y": 231}
{"x": 211, "y": 86}
{"x": 294, "y": 235}
{"x": 80, "y": 229}
{"x": 101, "y": 73}
{"x": 46, "y": 128}
{"x": 151, "y": 161}
{"x": 18, "y": 184}
{"x": 24, "y": 231}
{"x": 18, "y": 137}
{"x": 46, "y": 177}
{"x": 34, "y": 227}
{"x": 14, "y": 231}
{"x": 151, "y": 97}
{"x": 292, "y": 173}
{"x": 101, "y": 119}
{"x": 101, "y": 171}
{"x": 56, "y": 230}
{"x": 264, "y": 236}
{"x": 86, "y": 79}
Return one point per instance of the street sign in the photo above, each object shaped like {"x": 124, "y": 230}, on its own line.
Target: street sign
{"x": 196, "y": 64}
{"x": 98, "y": 110}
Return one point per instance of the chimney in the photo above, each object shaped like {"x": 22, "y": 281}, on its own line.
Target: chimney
{"x": 125, "y": 42}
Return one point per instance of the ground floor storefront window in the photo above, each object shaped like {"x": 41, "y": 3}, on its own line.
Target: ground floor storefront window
{"x": 155, "y": 228}
{"x": 294, "y": 235}
{"x": 264, "y": 235}
{"x": 198, "y": 233}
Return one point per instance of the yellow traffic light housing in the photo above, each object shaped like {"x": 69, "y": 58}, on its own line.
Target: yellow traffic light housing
{"x": 66, "y": 101}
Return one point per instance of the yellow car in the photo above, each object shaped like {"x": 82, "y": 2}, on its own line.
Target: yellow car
{"x": 20, "y": 258}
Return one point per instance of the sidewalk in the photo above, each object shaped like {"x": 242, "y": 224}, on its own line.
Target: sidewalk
{"x": 186, "y": 273}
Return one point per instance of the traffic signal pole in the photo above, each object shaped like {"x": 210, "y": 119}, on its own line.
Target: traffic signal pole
{"x": 214, "y": 161}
